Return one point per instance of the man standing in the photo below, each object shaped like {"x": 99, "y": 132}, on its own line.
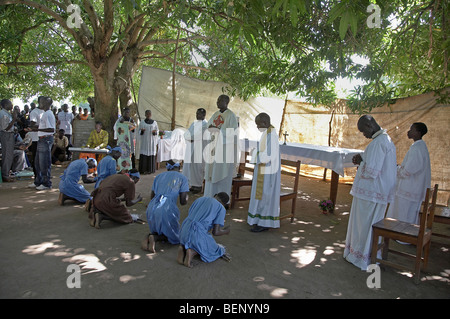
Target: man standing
{"x": 222, "y": 151}
{"x": 264, "y": 208}
{"x": 43, "y": 161}
{"x": 35, "y": 119}
{"x": 65, "y": 121}
{"x": 7, "y": 139}
{"x": 413, "y": 178}
{"x": 194, "y": 164}
{"x": 373, "y": 188}
{"x": 148, "y": 138}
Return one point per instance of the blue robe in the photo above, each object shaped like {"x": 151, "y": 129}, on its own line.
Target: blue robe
{"x": 69, "y": 181}
{"x": 195, "y": 234}
{"x": 106, "y": 167}
{"x": 163, "y": 215}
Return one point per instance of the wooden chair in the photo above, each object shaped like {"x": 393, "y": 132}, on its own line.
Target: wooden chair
{"x": 242, "y": 181}
{"x": 418, "y": 235}
{"x": 285, "y": 196}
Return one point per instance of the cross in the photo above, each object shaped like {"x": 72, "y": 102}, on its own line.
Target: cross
{"x": 285, "y": 134}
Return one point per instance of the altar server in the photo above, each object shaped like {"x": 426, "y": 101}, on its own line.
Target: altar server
{"x": 413, "y": 178}
{"x": 148, "y": 138}
{"x": 373, "y": 188}
{"x": 69, "y": 187}
{"x": 194, "y": 164}
{"x": 163, "y": 215}
{"x": 206, "y": 218}
{"x": 264, "y": 208}
{"x": 222, "y": 151}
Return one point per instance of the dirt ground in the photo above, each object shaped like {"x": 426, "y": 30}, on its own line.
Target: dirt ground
{"x": 301, "y": 260}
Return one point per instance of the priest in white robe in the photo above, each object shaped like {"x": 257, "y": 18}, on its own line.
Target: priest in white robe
{"x": 413, "y": 178}
{"x": 194, "y": 165}
{"x": 221, "y": 154}
{"x": 373, "y": 188}
{"x": 264, "y": 208}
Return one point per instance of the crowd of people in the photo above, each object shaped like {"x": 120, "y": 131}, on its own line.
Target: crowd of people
{"x": 379, "y": 181}
{"x": 22, "y": 132}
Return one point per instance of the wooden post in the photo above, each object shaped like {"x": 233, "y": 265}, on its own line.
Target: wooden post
{"x": 174, "y": 94}
{"x": 329, "y": 141}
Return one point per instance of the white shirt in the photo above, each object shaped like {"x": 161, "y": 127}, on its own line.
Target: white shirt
{"x": 5, "y": 119}
{"x": 414, "y": 175}
{"x": 65, "y": 122}
{"x": 35, "y": 116}
{"x": 47, "y": 121}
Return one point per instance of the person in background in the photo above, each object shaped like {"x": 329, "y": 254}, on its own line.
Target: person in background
{"x": 83, "y": 116}
{"x": 35, "y": 118}
{"x": 43, "y": 161}
{"x": 59, "y": 148}
{"x": 413, "y": 178}
{"x": 98, "y": 139}
{"x": 65, "y": 121}
{"x": 148, "y": 137}
{"x": 194, "y": 164}
{"x": 7, "y": 139}
{"x": 126, "y": 118}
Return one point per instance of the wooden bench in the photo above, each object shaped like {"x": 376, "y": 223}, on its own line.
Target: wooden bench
{"x": 242, "y": 181}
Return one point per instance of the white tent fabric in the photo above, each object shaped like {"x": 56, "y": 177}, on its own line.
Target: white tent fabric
{"x": 155, "y": 94}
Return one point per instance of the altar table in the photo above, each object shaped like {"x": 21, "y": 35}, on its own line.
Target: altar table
{"x": 333, "y": 158}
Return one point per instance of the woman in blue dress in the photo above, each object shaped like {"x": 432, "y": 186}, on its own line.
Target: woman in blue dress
{"x": 205, "y": 214}
{"x": 108, "y": 165}
{"x": 163, "y": 215}
{"x": 69, "y": 187}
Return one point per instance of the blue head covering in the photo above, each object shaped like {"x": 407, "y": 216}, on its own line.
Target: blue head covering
{"x": 171, "y": 167}
{"x": 117, "y": 148}
{"x": 136, "y": 174}
{"x": 92, "y": 159}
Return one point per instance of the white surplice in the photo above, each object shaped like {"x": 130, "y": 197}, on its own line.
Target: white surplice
{"x": 373, "y": 188}
{"x": 147, "y": 140}
{"x": 221, "y": 153}
{"x": 265, "y": 211}
{"x": 194, "y": 165}
{"x": 413, "y": 178}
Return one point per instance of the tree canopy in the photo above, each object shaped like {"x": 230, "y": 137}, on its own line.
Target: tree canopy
{"x": 89, "y": 47}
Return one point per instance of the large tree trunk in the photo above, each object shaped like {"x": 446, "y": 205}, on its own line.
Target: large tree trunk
{"x": 106, "y": 97}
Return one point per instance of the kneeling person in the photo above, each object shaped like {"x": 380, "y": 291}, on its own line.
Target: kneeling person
{"x": 205, "y": 214}
{"x": 105, "y": 201}
{"x": 163, "y": 215}
{"x": 69, "y": 187}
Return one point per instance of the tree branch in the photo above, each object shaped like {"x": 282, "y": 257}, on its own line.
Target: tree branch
{"x": 50, "y": 12}
{"x": 45, "y": 63}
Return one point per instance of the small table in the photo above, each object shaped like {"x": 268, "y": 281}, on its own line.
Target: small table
{"x": 89, "y": 150}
